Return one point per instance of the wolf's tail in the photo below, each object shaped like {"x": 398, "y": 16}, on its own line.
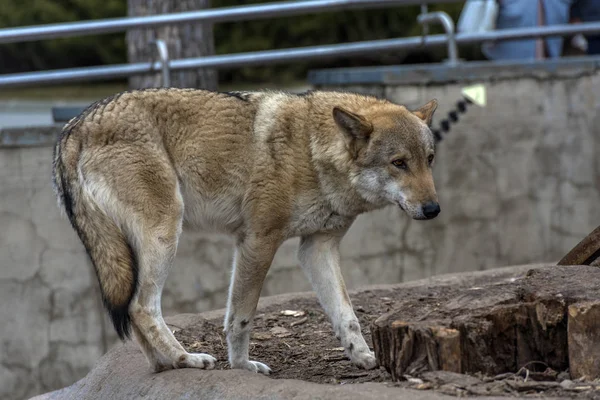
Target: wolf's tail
{"x": 112, "y": 256}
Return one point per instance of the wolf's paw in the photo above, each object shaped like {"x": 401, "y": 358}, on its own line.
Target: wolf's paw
{"x": 253, "y": 366}
{"x": 364, "y": 359}
{"x": 196, "y": 360}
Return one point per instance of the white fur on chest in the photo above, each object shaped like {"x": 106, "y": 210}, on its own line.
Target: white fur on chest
{"x": 316, "y": 217}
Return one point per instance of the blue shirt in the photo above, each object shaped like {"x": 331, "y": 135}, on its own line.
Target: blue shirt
{"x": 522, "y": 14}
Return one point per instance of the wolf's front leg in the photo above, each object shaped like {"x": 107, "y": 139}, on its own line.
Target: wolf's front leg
{"x": 320, "y": 258}
{"x": 251, "y": 262}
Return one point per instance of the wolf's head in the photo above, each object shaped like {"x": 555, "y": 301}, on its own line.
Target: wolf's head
{"x": 392, "y": 152}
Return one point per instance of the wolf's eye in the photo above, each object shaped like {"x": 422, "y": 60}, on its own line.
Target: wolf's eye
{"x": 399, "y": 164}
{"x": 430, "y": 159}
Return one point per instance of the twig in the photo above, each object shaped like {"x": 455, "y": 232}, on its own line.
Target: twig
{"x": 353, "y": 375}
{"x": 500, "y": 377}
{"x": 299, "y": 322}
{"x": 535, "y": 362}
{"x": 525, "y": 386}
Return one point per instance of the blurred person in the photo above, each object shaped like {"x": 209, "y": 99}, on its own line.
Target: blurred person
{"x": 524, "y": 14}
{"x": 587, "y": 11}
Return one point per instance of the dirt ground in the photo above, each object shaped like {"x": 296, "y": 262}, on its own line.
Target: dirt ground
{"x": 296, "y": 340}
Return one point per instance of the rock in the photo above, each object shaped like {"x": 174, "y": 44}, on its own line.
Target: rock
{"x": 123, "y": 372}
{"x": 563, "y": 376}
{"x": 439, "y": 378}
{"x": 567, "y": 384}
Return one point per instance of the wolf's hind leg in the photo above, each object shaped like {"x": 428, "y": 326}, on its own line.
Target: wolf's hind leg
{"x": 156, "y": 253}
{"x": 151, "y": 355}
{"x": 144, "y": 198}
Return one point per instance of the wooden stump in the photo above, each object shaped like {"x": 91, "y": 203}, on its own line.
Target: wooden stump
{"x": 415, "y": 348}
{"x": 497, "y": 328}
{"x": 584, "y": 340}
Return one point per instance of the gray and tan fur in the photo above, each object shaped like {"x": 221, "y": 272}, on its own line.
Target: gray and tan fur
{"x": 260, "y": 166}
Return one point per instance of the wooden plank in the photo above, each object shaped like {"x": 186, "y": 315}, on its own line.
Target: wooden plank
{"x": 586, "y": 252}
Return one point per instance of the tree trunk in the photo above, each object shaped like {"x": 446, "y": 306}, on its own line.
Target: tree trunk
{"x": 183, "y": 41}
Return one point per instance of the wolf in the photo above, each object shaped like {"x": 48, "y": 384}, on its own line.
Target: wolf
{"x": 259, "y": 166}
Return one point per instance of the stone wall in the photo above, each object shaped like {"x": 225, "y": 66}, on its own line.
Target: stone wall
{"x": 519, "y": 182}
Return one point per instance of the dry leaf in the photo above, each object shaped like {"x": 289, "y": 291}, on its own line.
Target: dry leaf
{"x": 293, "y": 313}
{"x": 261, "y": 336}
{"x": 299, "y": 322}
{"x": 280, "y": 332}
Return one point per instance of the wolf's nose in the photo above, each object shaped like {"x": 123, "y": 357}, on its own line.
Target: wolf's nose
{"x": 431, "y": 209}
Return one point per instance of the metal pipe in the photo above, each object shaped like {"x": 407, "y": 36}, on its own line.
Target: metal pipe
{"x": 425, "y": 32}
{"x": 223, "y": 14}
{"x": 528, "y": 33}
{"x": 287, "y": 55}
{"x": 77, "y": 74}
{"x": 445, "y": 20}
{"x": 222, "y": 61}
{"x": 163, "y": 55}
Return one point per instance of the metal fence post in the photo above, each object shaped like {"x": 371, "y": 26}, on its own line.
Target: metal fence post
{"x": 163, "y": 55}
{"x": 445, "y": 20}
{"x": 424, "y": 10}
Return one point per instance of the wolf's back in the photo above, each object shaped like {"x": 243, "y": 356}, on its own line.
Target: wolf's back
{"x": 112, "y": 256}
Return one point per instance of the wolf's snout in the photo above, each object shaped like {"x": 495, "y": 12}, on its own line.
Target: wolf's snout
{"x": 431, "y": 209}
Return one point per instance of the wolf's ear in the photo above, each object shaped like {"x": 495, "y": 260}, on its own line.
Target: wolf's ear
{"x": 354, "y": 126}
{"x": 426, "y": 112}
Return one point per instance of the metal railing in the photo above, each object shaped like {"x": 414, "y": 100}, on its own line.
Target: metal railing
{"x": 259, "y": 57}
{"x": 224, "y": 14}
{"x": 443, "y": 19}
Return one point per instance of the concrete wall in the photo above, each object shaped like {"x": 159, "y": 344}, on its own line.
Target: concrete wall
{"x": 519, "y": 182}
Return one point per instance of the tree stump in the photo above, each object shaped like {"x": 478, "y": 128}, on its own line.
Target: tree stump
{"x": 183, "y": 41}
{"x": 496, "y": 328}
{"x": 584, "y": 340}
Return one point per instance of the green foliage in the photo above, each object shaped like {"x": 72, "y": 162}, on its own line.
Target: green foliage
{"x": 278, "y": 33}
{"x": 60, "y": 53}
{"x": 322, "y": 28}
